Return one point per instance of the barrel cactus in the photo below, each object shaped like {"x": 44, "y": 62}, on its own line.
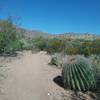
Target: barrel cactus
{"x": 78, "y": 74}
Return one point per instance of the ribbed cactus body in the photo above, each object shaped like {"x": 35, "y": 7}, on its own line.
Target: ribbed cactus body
{"x": 78, "y": 74}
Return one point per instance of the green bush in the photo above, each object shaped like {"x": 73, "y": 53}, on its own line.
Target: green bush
{"x": 78, "y": 74}
{"x": 25, "y": 44}
{"x": 8, "y": 38}
{"x": 39, "y": 43}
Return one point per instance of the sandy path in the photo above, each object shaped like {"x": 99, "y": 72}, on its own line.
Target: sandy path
{"x": 27, "y": 79}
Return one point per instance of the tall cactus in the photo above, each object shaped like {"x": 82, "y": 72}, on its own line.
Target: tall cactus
{"x": 78, "y": 74}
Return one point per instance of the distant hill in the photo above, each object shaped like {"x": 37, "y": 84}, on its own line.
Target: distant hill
{"x": 24, "y": 33}
{"x": 35, "y": 33}
{"x": 72, "y": 35}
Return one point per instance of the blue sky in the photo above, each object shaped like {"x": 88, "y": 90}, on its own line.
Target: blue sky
{"x": 54, "y": 16}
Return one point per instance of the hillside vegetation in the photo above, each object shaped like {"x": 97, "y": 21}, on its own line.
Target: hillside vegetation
{"x": 13, "y": 38}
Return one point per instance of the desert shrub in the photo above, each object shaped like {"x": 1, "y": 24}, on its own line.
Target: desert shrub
{"x": 82, "y": 47}
{"x": 78, "y": 74}
{"x": 12, "y": 47}
{"x": 39, "y": 43}
{"x": 90, "y": 47}
{"x": 2, "y": 42}
{"x": 55, "y": 45}
{"x": 70, "y": 47}
{"x": 7, "y": 43}
{"x": 8, "y": 38}
{"x": 26, "y": 44}
{"x": 54, "y": 60}
{"x": 95, "y": 59}
{"x": 72, "y": 50}
{"x": 57, "y": 59}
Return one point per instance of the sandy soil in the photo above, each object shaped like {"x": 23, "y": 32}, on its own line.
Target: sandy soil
{"x": 29, "y": 77}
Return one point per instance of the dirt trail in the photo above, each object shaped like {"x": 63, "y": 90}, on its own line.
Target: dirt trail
{"x": 27, "y": 78}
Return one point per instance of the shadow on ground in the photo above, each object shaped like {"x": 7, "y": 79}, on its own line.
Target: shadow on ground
{"x": 75, "y": 95}
{"x": 59, "y": 81}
